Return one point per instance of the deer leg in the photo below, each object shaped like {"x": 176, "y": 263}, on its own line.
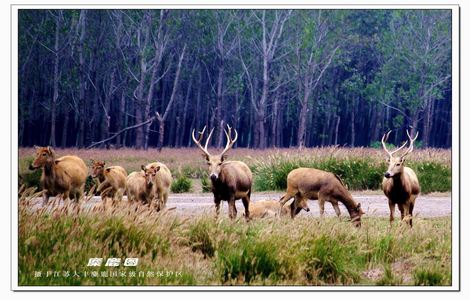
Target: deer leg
{"x": 286, "y": 198}
{"x": 232, "y": 210}
{"x": 217, "y": 207}
{"x": 246, "y": 204}
{"x": 412, "y": 205}
{"x": 391, "y": 205}
{"x": 406, "y": 212}
{"x": 402, "y": 210}
{"x": 336, "y": 208}
{"x": 164, "y": 199}
{"x": 321, "y": 205}
{"x": 45, "y": 198}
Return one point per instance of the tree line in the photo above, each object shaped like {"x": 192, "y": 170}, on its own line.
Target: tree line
{"x": 282, "y": 78}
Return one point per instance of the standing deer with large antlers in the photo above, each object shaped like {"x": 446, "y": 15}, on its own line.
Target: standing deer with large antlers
{"x": 231, "y": 180}
{"x": 400, "y": 183}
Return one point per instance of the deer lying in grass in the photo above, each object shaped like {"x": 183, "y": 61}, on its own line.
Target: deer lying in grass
{"x": 272, "y": 208}
{"x": 63, "y": 176}
{"x": 159, "y": 177}
{"x": 138, "y": 189}
{"x": 111, "y": 180}
{"x": 313, "y": 184}
{"x": 231, "y": 180}
{"x": 400, "y": 183}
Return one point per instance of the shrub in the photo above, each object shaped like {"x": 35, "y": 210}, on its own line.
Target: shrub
{"x": 200, "y": 238}
{"x": 433, "y": 177}
{"x": 428, "y": 277}
{"x": 328, "y": 260}
{"x": 249, "y": 259}
{"x": 357, "y": 173}
{"x": 206, "y": 184}
{"x": 182, "y": 184}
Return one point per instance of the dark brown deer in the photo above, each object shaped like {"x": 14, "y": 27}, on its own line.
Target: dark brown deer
{"x": 231, "y": 180}
{"x": 400, "y": 183}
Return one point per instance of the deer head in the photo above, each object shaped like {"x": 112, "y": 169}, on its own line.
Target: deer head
{"x": 97, "y": 168}
{"x": 150, "y": 174}
{"x": 215, "y": 161}
{"x": 44, "y": 155}
{"x": 396, "y": 164}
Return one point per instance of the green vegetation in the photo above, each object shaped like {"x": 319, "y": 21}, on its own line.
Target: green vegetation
{"x": 182, "y": 184}
{"x": 356, "y": 172}
{"x": 359, "y": 168}
{"x": 206, "y": 184}
{"x": 205, "y": 251}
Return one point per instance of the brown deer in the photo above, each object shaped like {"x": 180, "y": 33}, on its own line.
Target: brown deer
{"x": 111, "y": 180}
{"x": 64, "y": 176}
{"x": 400, "y": 183}
{"x": 231, "y": 180}
{"x": 138, "y": 189}
{"x": 314, "y": 184}
{"x": 159, "y": 177}
{"x": 272, "y": 208}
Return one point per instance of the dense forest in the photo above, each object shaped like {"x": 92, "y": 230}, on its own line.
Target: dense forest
{"x": 282, "y": 78}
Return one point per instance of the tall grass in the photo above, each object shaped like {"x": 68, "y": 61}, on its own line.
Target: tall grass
{"x": 206, "y": 251}
{"x": 357, "y": 173}
{"x": 360, "y": 168}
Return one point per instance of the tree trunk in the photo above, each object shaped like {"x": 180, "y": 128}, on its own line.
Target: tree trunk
{"x": 55, "y": 93}
{"x": 303, "y": 117}
{"x": 82, "y": 80}
{"x": 161, "y": 119}
{"x": 353, "y": 123}
{"x": 65, "y": 128}
{"x": 219, "y": 103}
{"x": 106, "y": 118}
{"x": 338, "y": 118}
{"x": 122, "y": 107}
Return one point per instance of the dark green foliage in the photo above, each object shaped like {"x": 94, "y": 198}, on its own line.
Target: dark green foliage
{"x": 249, "y": 259}
{"x": 329, "y": 261}
{"x": 428, "y": 278}
{"x": 201, "y": 238}
{"x": 206, "y": 184}
{"x": 356, "y": 173}
{"x": 182, "y": 184}
{"x": 433, "y": 177}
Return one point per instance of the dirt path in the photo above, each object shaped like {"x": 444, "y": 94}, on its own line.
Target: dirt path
{"x": 372, "y": 204}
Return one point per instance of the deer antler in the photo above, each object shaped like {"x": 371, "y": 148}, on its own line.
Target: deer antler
{"x": 412, "y": 141}
{"x": 198, "y": 141}
{"x": 385, "y": 138}
{"x": 230, "y": 141}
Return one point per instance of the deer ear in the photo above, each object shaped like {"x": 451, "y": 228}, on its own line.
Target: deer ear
{"x": 205, "y": 156}
{"x": 108, "y": 170}
{"x": 224, "y": 157}
{"x": 157, "y": 169}
{"x": 142, "y": 167}
{"x": 358, "y": 207}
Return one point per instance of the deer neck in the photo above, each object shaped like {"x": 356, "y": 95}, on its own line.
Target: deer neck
{"x": 348, "y": 202}
{"x": 398, "y": 181}
{"x": 101, "y": 178}
{"x": 49, "y": 169}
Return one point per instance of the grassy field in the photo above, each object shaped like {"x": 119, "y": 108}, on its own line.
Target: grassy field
{"x": 360, "y": 168}
{"x": 204, "y": 251}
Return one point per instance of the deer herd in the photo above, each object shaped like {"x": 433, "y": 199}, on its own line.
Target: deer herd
{"x": 231, "y": 180}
